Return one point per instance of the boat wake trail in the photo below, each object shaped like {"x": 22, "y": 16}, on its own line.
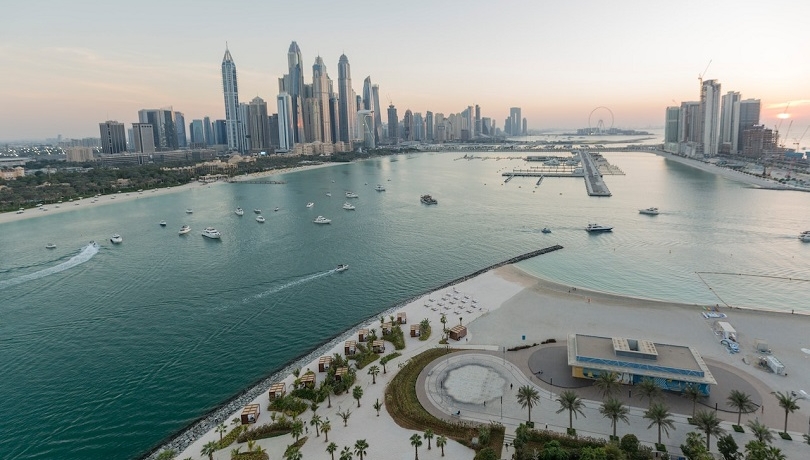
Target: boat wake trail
{"x": 287, "y": 285}
{"x": 86, "y": 254}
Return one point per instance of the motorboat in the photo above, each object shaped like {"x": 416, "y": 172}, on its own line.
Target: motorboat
{"x": 649, "y": 211}
{"x": 328, "y": 193}
{"x": 50, "y": 246}
{"x": 546, "y": 230}
{"x": 239, "y": 212}
{"x": 275, "y": 210}
{"x": 257, "y": 211}
{"x": 427, "y": 199}
{"x": 116, "y": 239}
{"x": 260, "y": 219}
{"x": 184, "y": 229}
{"x": 596, "y": 228}
{"x": 342, "y": 268}
{"x": 322, "y": 220}
{"x": 162, "y": 223}
{"x": 310, "y": 204}
{"x": 348, "y": 206}
{"x": 351, "y": 195}
{"x": 211, "y": 232}
{"x": 805, "y": 237}
{"x": 379, "y": 188}
{"x": 189, "y": 211}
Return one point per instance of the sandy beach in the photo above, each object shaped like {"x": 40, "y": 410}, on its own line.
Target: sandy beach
{"x": 506, "y": 307}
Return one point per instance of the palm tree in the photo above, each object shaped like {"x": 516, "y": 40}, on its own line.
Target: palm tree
{"x": 607, "y": 383}
{"x": 658, "y": 414}
{"x": 441, "y": 441}
{"x": 527, "y": 396}
{"x": 297, "y": 429}
{"x": 416, "y": 442}
{"x": 615, "y": 411}
{"x": 443, "y": 320}
{"x": 373, "y": 371}
{"x": 251, "y": 444}
{"x": 572, "y": 403}
{"x": 209, "y": 448}
{"x": 293, "y": 454}
{"x": 345, "y": 416}
{"x": 424, "y": 325}
{"x": 648, "y": 389}
{"x": 326, "y": 388}
{"x": 235, "y": 452}
{"x": 377, "y": 406}
{"x": 741, "y": 401}
{"x": 760, "y": 431}
{"x": 326, "y": 427}
{"x": 316, "y": 422}
{"x": 693, "y": 393}
{"x": 236, "y": 421}
{"x": 331, "y": 448}
{"x": 357, "y": 393}
{"x": 346, "y": 453}
{"x": 428, "y": 435}
{"x": 360, "y": 447}
{"x": 221, "y": 428}
{"x": 786, "y": 402}
{"x": 708, "y": 422}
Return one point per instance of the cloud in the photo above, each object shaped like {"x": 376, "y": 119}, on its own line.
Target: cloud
{"x": 783, "y": 105}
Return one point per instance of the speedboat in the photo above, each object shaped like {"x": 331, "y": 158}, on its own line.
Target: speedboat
{"x": 348, "y": 206}
{"x": 116, "y": 239}
{"x": 50, "y": 246}
{"x": 328, "y": 193}
{"x": 184, "y": 229}
{"x": 427, "y": 199}
{"x": 546, "y": 230}
{"x": 310, "y": 204}
{"x": 649, "y": 211}
{"x": 211, "y": 232}
{"x": 351, "y": 195}
{"x": 805, "y": 238}
{"x": 260, "y": 219}
{"x": 342, "y": 268}
{"x": 257, "y": 211}
{"x": 239, "y": 212}
{"x": 275, "y": 210}
{"x": 322, "y": 220}
{"x": 596, "y": 228}
{"x": 189, "y": 211}
{"x": 379, "y": 188}
{"x": 162, "y": 223}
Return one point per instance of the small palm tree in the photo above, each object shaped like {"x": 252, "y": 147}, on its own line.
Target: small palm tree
{"x": 416, "y": 442}
{"x": 297, "y": 429}
{"x": 235, "y": 452}
{"x": 441, "y": 441}
{"x": 607, "y": 383}
{"x": 345, "y": 416}
{"x": 357, "y": 393}
{"x": 708, "y": 422}
{"x": 326, "y": 427}
{"x": 740, "y": 401}
{"x": 648, "y": 389}
{"x": 615, "y": 411}
{"x": 443, "y": 320}
{"x": 786, "y": 402}
{"x": 209, "y": 448}
{"x": 293, "y": 454}
{"x": 221, "y": 428}
{"x": 373, "y": 371}
{"x": 572, "y": 403}
{"x": 331, "y": 448}
{"x": 760, "y": 431}
{"x": 316, "y": 422}
{"x": 236, "y": 421}
{"x": 251, "y": 444}
{"x": 360, "y": 448}
{"x": 428, "y": 435}
{"x": 346, "y": 453}
{"x": 693, "y": 393}
{"x": 527, "y": 396}
{"x": 658, "y": 414}
{"x": 326, "y": 388}
{"x": 377, "y": 406}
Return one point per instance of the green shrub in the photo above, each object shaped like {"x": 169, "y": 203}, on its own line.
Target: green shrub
{"x": 385, "y": 359}
{"x": 308, "y": 393}
{"x": 229, "y": 438}
{"x": 396, "y": 337}
{"x": 571, "y": 432}
{"x": 738, "y": 428}
{"x": 660, "y": 447}
{"x": 424, "y": 333}
{"x": 785, "y": 436}
{"x": 272, "y": 430}
{"x": 487, "y": 453}
{"x": 251, "y": 456}
{"x": 296, "y": 445}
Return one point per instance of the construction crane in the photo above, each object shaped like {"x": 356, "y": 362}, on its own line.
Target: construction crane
{"x": 799, "y": 140}
{"x": 700, "y": 77}
{"x": 782, "y": 116}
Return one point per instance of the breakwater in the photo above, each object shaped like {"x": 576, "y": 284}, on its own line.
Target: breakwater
{"x": 220, "y": 414}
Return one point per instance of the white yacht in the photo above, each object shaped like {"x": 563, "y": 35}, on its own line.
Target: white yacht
{"x": 342, "y": 268}
{"x": 348, "y": 206}
{"x": 649, "y": 211}
{"x": 116, "y": 239}
{"x": 322, "y": 220}
{"x": 50, "y": 246}
{"x": 351, "y": 195}
{"x": 239, "y": 212}
{"x": 162, "y": 223}
{"x": 310, "y": 204}
{"x": 328, "y": 193}
{"x": 184, "y": 229}
{"x": 211, "y": 232}
{"x": 596, "y": 228}
{"x": 379, "y": 188}
{"x": 260, "y": 219}
{"x": 275, "y": 210}
{"x": 189, "y": 211}
{"x": 257, "y": 211}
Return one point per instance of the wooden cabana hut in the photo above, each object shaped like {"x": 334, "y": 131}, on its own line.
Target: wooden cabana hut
{"x": 378, "y": 346}
{"x": 340, "y": 372}
{"x": 401, "y": 318}
{"x": 323, "y": 363}
{"x": 386, "y": 328}
{"x": 350, "y": 347}
{"x": 458, "y": 332}
{"x": 250, "y": 414}
{"x": 277, "y": 390}
{"x": 362, "y": 336}
{"x": 307, "y": 380}
{"x": 416, "y": 331}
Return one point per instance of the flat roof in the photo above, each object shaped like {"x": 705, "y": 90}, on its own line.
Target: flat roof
{"x": 677, "y": 362}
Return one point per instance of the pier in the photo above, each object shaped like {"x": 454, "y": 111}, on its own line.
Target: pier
{"x": 592, "y": 168}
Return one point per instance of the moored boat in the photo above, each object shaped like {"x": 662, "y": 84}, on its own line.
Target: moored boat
{"x": 348, "y": 206}
{"x": 310, "y": 204}
{"x": 322, "y": 220}
{"x": 260, "y": 219}
{"x": 50, "y": 246}
{"x": 211, "y": 232}
{"x": 649, "y": 211}
{"x": 379, "y": 188}
{"x": 546, "y": 230}
{"x": 184, "y": 229}
{"x": 351, "y": 195}
{"x": 427, "y": 199}
{"x": 239, "y": 212}
{"x": 116, "y": 239}
{"x": 162, "y": 223}
{"x": 189, "y": 211}
{"x": 596, "y": 228}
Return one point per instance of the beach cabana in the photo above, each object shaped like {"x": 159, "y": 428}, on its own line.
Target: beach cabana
{"x": 458, "y": 332}
{"x": 250, "y": 414}
{"x": 350, "y": 347}
{"x": 340, "y": 372}
{"x": 307, "y": 380}
{"x": 401, "y": 318}
{"x": 323, "y": 363}
{"x": 277, "y": 390}
{"x": 362, "y": 336}
{"x": 378, "y": 346}
{"x": 415, "y": 330}
{"x": 386, "y": 328}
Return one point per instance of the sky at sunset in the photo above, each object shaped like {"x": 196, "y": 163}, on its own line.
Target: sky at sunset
{"x": 68, "y": 65}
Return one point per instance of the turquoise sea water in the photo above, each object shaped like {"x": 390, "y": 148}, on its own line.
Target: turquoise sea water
{"x": 105, "y": 352}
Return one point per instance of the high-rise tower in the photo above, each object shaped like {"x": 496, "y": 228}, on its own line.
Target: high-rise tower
{"x": 346, "y": 101}
{"x": 231, "y": 91}
{"x": 294, "y": 86}
{"x": 393, "y": 125}
{"x": 709, "y": 116}
{"x": 729, "y": 122}
{"x": 378, "y": 136}
{"x": 320, "y": 91}
{"x": 285, "y": 122}
{"x": 515, "y": 121}
{"x": 113, "y": 137}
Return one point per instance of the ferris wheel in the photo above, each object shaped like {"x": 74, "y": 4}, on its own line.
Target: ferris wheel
{"x": 600, "y": 121}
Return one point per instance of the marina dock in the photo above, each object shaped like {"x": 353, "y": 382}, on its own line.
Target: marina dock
{"x": 590, "y": 170}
